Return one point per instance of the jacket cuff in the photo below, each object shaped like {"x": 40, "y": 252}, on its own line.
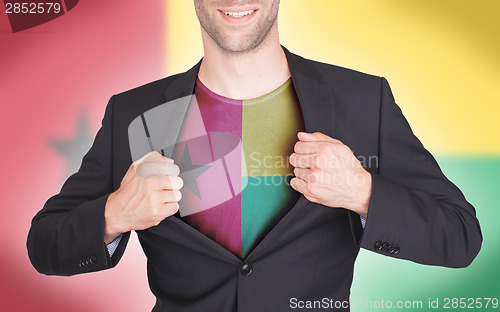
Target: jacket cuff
{"x": 87, "y": 235}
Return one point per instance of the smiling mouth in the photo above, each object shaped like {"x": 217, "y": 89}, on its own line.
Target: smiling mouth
{"x": 239, "y": 14}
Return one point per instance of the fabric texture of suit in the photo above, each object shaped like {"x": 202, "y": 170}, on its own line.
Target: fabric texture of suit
{"x": 310, "y": 253}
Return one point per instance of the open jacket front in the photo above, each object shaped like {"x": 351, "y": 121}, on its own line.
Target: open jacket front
{"x": 415, "y": 212}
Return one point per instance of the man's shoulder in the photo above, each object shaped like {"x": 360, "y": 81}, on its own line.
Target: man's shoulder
{"x": 149, "y": 89}
{"x": 138, "y": 100}
{"x": 127, "y": 105}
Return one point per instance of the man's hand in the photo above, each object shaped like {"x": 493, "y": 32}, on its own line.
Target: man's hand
{"x": 148, "y": 193}
{"x": 327, "y": 172}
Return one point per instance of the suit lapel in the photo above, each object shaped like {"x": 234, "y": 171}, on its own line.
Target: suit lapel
{"x": 316, "y": 99}
{"x": 183, "y": 84}
{"x": 318, "y": 109}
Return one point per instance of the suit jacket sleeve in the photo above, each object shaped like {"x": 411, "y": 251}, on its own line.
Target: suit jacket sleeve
{"x": 67, "y": 236}
{"x": 414, "y": 209}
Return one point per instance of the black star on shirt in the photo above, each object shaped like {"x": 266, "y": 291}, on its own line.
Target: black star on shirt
{"x": 189, "y": 172}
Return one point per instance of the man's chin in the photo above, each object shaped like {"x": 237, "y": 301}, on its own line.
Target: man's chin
{"x": 242, "y": 47}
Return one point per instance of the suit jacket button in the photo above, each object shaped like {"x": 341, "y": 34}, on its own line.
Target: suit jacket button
{"x": 384, "y": 246}
{"x": 390, "y": 249}
{"x": 396, "y": 249}
{"x": 84, "y": 263}
{"x": 93, "y": 260}
{"x": 246, "y": 269}
{"x": 378, "y": 245}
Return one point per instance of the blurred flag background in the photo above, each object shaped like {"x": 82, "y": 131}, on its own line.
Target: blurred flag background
{"x": 441, "y": 59}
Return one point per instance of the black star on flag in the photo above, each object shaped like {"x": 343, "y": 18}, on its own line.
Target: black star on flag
{"x": 74, "y": 149}
{"x": 189, "y": 172}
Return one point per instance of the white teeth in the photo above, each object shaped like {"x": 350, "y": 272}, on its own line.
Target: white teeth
{"x": 239, "y": 14}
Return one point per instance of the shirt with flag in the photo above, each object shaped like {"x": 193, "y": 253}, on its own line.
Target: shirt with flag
{"x": 233, "y": 157}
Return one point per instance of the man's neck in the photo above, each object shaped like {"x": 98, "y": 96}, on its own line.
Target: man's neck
{"x": 244, "y": 76}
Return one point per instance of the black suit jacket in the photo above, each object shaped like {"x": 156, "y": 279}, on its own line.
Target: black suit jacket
{"x": 415, "y": 212}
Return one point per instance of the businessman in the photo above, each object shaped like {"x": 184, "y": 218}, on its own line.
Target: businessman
{"x": 246, "y": 179}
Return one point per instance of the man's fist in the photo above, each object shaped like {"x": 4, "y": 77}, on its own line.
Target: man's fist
{"x": 327, "y": 172}
{"x": 148, "y": 193}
